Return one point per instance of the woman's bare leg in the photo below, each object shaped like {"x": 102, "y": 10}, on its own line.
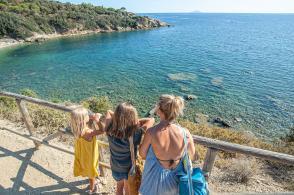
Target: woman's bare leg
{"x": 120, "y": 187}
{"x": 92, "y": 183}
{"x": 126, "y": 187}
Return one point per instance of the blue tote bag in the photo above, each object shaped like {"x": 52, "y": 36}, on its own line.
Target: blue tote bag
{"x": 193, "y": 181}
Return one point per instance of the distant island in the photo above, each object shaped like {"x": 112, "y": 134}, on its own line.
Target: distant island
{"x": 37, "y": 20}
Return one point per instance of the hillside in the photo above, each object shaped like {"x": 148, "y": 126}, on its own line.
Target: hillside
{"x": 21, "y": 19}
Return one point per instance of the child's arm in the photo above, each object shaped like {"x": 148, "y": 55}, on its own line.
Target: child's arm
{"x": 146, "y": 123}
{"x": 98, "y": 129}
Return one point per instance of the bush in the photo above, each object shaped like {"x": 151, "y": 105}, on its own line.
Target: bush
{"x": 7, "y": 102}
{"x": 97, "y": 104}
{"x": 241, "y": 170}
{"x": 29, "y": 93}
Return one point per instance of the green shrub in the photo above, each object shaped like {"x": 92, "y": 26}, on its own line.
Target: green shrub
{"x": 29, "y": 93}
{"x": 97, "y": 104}
{"x": 7, "y": 102}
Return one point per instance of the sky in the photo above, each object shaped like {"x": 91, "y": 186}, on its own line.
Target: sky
{"x": 218, "y": 6}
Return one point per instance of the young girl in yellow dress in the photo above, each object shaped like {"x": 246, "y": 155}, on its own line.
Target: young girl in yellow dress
{"x": 86, "y": 150}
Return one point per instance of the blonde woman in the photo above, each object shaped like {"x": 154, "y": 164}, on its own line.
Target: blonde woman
{"x": 86, "y": 149}
{"x": 119, "y": 126}
{"x": 163, "y": 148}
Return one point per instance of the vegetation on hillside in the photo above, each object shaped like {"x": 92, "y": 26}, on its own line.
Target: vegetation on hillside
{"x": 20, "y": 19}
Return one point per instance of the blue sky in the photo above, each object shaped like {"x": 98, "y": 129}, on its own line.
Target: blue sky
{"x": 227, "y": 6}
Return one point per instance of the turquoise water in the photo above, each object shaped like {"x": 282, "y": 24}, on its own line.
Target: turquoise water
{"x": 238, "y": 65}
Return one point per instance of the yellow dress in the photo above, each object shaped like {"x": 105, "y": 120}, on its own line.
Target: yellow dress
{"x": 86, "y": 158}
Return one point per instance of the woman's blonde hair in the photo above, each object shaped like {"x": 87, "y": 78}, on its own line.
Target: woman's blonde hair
{"x": 171, "y": 106}
{"x": 124, "y": 121}
{"x": 78, "y": 121}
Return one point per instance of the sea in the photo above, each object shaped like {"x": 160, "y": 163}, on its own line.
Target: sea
{"x": 239, "y": 67}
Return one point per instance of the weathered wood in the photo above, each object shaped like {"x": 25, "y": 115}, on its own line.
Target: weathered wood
{"x": 102, "y": 143}
{"x": 101, "y": 159}
{"x": 37, "y": 101}
{"x": 51, "y": 145}
{"x": 68, "y": 132}
{"x": 27, "y": 119}
{"x": 209, "y": 160}
{"x": 237, "y": 148}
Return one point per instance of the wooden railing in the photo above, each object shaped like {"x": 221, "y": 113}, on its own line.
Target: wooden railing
{"x": 214, "y": 146}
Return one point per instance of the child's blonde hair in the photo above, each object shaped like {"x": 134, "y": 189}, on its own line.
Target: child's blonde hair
{"x": 124, "y": 121}
{"x": 78, "y": 121}
{"x": 171, "y": 106}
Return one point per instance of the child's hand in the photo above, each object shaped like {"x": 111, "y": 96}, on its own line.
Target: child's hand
{"x": 96, "y": 117}
{"x": 88, "y": 135}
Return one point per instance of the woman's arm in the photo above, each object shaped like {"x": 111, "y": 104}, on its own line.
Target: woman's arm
{"x": 143, "y": 149}
{"x": 191, "y": 146}
{"x": 146, "y": 123}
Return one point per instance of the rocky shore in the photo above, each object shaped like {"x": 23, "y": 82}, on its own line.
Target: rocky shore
{"x": 38, "y": 38}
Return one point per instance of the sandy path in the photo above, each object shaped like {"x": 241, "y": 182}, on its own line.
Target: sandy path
{"x": 47, "y": 170}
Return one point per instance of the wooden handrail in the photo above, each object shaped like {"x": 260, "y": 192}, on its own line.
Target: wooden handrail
{"x": 247, "y": 150}
{"x": 213, "y": 145}
{"x": 37, "y": 101}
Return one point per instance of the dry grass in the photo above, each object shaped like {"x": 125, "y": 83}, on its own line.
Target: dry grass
{"x": 237, "y": 137}
{"x": 240, "y": 170}
{"x": 45, "y": 119}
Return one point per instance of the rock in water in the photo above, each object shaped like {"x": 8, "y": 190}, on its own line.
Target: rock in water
{"x": 190, "y": 97}
{"x": 217, "y": 81}
{"x": 182, "y": 76}
{"x": 221, "y": 122}
{"x": 201, "y": 118}
{"x": 238, "y": 119}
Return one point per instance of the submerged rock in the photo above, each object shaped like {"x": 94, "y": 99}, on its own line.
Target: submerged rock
{"x": 238, "y": 119}
{"x": 184, "y": 88}
{"x": 182, "y": 76}
{"x": 217, "y": 81}
{"x": 190, "y": 97}
{"x": 201, "y": 118}
{"x": 221, "y": 122}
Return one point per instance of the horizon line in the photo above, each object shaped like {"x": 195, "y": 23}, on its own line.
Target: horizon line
{"x": 200, "y": 12}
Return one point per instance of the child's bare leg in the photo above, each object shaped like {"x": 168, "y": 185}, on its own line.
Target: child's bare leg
{"x": 126, "y": 187}
{"x": 92, "y": 183}
{"x": 120, "y": 187}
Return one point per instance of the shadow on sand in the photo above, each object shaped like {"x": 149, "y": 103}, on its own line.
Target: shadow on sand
{"x": 20, "y": 187}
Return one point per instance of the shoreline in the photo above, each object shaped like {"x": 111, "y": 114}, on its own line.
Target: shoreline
{"x": 39, "y": 38}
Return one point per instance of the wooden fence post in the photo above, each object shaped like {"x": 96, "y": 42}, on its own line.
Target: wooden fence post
{"x": 209, "y": 161}
{"x": 27, "y": 119}
{"x": 101, "y": 159}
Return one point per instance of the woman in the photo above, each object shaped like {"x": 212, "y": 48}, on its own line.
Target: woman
{"x": 119, "y": 126}
{"x": 163, "y": 148}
